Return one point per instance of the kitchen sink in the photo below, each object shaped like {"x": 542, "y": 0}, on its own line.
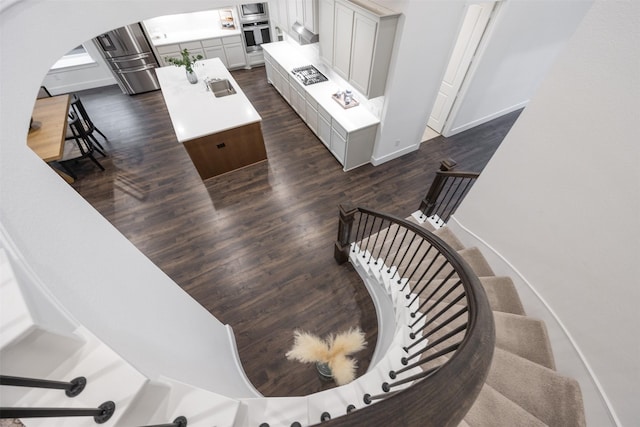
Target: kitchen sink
{"x": 220, "y": 87}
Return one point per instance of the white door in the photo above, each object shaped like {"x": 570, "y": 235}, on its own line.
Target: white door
{"x": 473, "y": 26}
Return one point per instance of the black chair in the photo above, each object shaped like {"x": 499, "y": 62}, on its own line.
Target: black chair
{"x": 78, "y": 146}
{"x": 78, "y": 109}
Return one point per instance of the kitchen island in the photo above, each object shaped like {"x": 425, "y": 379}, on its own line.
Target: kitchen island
{"x": 220, "y": 134}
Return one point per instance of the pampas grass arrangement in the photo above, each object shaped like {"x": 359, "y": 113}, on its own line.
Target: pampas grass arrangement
{"x": 334, "y": 351}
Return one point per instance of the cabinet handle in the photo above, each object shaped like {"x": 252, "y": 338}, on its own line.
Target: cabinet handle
{"x": 221, "y": 145}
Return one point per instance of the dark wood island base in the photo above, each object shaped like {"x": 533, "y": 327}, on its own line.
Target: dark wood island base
{"x": 228, "y": 150}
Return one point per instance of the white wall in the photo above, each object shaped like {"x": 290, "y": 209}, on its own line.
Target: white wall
{"x": 525, "y": 38}
{"x": 103, "y": 281}
{"x": 73, "y": 79}
{"x": 560, "y": 199}
{"x": 426, "y": 34}
{"x": 520, "y": 46}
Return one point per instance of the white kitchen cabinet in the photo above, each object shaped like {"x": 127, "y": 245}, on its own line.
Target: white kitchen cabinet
{"x": 229, "y": 49}
{"x": 312, "y": 114}
{"x": 268, "y": 68}
{"x": 358, "y": 146}
{"x": 278, "y": 14}
{"x": 325, "y": 29}
{"x": 348, "y": 134}
{"x": 362, "y": 49}
{"x": 298, "y": 10}
{"x": 168, "y": 51}
{"x": 275, "y": 75}
{"x": 310, "y": 15}
{"x": 338, "y": 141}
{"x": 343, "y": 33}
{"x": 303, "y": 12}
{"x": 362, "y": 44}
{"x": 324, "y": 126}
{"x": 194, "y": 47}
{"x": 233, "y": 51}
{"x": 213, "y": 49}
{"x": 216, "y": 52}
{"x": 298, "y": 101}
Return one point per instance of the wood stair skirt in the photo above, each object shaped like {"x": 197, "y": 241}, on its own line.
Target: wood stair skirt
{"x": 522, "y": 388}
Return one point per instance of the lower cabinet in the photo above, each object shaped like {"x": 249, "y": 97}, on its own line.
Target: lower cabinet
{"x": 234, "y": 51}
{"x": 324, "y": 126}
{"x": 298, "y": 100}
{"x": 312, "y": 114}
{"x": 229, "y": 49}
{"x": 277, "y": 77}
{"x": 351, "y": 149}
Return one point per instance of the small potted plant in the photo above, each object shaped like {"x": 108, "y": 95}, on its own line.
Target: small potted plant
{"x": 187, "y": 61}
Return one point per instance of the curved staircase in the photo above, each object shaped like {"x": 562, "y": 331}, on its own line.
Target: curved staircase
{"x": 522, "y": 388}
{"x": 422, "y": 337}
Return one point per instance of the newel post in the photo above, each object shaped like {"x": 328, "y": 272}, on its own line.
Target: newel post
{"x": 345, "y": 224}
{"x": 429, "y": 201}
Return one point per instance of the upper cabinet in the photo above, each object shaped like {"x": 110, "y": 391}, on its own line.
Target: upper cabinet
{"x": 285, "y": 13}
{"x": 309, "y": 14}
{"x": 356, "y": 38}
{"x": 325, "y": 29}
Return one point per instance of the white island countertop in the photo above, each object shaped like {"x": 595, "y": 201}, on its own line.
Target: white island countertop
{"x": 196, "y": 112}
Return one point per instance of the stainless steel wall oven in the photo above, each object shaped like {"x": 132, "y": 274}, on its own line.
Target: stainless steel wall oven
{"x": 254, "y": 34}
{"x": 254, "y": 19}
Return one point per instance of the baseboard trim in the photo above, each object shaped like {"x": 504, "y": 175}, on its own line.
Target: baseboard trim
{"x": 466, "y": 235}
{"x": 376, "y": 161}
{"x": 236, "y": 360}
{"x": 450, "y": 132}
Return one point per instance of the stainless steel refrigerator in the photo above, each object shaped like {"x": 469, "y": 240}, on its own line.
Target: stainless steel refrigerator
{"x": 129, "y": 55}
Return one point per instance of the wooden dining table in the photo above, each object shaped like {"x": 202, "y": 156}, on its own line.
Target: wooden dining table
{"x": 49, "y": 128}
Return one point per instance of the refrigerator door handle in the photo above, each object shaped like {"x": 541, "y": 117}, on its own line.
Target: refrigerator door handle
{"x": 130, "y": 58}
{"x": 137, "y": 70}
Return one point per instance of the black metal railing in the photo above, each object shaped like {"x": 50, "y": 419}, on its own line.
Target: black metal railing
{"x": 451, "y": 328}
{"x": 100, "y": 415}
{"x": 447, "y": 191}
{"x": 180, "y": 421}
{"x": 72, "y": 388}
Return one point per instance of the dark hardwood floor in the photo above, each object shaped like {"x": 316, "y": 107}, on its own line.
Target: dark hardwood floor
{"x": 255, "y": 246}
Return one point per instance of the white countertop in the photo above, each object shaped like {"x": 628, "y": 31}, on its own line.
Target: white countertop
{"x": 291, "y": 55}
{"x": 196, "y": 112}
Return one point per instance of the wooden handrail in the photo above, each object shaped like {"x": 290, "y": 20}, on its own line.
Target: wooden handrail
{"x": 429, "y": 204}
{"x": 446, "y": 394}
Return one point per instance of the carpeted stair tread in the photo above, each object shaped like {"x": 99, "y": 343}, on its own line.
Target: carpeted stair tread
{"x": 525, "y": 337}
{"x": 447, "y": 235}
{"x": 502, "y": 294}
{"x": 476, "y": 261}
{"x": 463, "y": 423}
{"x": 492, "y": 409}
{"x": 554, "y": 399}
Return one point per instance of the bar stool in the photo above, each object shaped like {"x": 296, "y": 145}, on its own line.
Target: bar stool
{"x": 85, "y": 121}
{"x": 78, "y": 145}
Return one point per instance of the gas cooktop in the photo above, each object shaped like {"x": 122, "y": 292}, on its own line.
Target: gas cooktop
{"x": 309, "y": 75}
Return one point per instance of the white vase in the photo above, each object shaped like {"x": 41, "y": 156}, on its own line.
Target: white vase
{"x": 192, "y": 77}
